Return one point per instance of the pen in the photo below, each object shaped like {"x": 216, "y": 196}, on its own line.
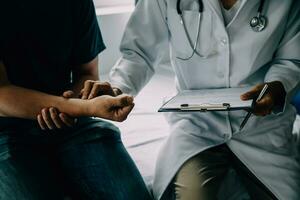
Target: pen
{"x": 260, "y": 96}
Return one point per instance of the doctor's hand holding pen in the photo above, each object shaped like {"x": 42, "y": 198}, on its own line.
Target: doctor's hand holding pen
{"x": 274, "y": 96}
{"x": 114, "y": 105}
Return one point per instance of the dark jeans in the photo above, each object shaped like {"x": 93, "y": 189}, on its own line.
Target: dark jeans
{"x": 88, "y": 161}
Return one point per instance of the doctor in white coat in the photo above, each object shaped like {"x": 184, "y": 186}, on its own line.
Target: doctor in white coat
{"x": 212, "y": 45}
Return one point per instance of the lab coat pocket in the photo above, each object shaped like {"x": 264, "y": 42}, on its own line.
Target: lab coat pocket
{"x": 276, "y": 133}
{"x": 182, "y": 41}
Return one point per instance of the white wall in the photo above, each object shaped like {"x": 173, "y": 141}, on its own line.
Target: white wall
{"x": 104, "y": 3}
{"x": 112, "y": 28}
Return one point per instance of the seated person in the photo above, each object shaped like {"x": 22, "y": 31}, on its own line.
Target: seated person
{"x": 50, "y": 144}
{"x": 212, "y": 45}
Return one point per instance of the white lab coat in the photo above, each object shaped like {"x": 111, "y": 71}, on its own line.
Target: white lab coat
{"x": 243, "y": 58}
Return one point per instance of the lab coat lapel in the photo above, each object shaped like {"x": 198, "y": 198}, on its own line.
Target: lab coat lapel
{"x": 236, "y": 17}
{"x": 215, "y": 6}
{"x": 250, "y": 5}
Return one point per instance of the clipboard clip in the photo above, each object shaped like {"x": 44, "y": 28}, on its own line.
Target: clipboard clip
{"x": 205, "y": 107}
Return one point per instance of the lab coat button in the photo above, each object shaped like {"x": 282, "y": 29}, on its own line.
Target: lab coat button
{"x": 223, "y": 41}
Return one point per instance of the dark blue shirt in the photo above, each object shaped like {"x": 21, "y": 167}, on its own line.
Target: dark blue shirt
{"x": 41, "y": 42}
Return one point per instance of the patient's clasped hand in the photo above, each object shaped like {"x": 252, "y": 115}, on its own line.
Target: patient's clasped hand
{"x": 101, "y": 101}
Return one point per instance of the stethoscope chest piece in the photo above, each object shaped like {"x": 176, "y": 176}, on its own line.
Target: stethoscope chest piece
{"x": 258, "y": 23}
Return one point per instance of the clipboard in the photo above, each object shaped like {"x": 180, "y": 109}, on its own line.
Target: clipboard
{"x": 224, "y": 99}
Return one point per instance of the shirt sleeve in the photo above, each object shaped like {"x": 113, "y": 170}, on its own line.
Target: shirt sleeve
{"x": 143, "y": 45}
{"x": 88, "y": 42}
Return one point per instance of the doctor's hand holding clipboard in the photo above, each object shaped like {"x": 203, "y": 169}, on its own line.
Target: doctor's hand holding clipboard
{"x": 260, "y": 100}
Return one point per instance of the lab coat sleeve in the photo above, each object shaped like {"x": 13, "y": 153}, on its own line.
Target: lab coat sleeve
{"x": 286, "y": 63}
{"x": 143, "y": 45}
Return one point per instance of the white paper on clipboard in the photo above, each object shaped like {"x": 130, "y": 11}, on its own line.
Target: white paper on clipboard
{"x": 208, "y": 100}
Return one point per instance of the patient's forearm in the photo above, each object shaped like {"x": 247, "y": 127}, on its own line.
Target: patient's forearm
{"x": 24, "y": 103}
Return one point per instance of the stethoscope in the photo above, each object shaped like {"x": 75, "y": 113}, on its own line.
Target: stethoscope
{"x": 258, "y": 23}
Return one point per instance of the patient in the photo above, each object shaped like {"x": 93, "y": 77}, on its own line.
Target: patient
{"x": 50, "y": 146}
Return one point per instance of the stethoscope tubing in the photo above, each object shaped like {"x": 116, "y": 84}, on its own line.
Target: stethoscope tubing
{"x": 195, "y": 45}
{"x": 179, "y": 11}
{"x": 257, "y": 28}
{"x": 261, "y": 6}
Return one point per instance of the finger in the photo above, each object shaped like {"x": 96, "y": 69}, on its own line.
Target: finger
{"x": 263, "y": 113}
{"x": 122, "y": 113}
{"x": 106, "y": 89}
{"x": 264, "y": 106}
{"x": 68, "y": 94}
{"x": 123, "y": 100}
{"x": 47, "y": 119}
{"x": 87, "y": 89}
{"x": 81, "y": 93}
{"x": 67, "y": 120}
{"x": 101, "y": 89}
{"x": 55, "y": 118}
{"x": 253, "y": 93}
{"x": 117, "y": 91}
{"x": 41, "y": 122}
{"x": 266, "y": 102}
{"x": 94, "y": 91}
